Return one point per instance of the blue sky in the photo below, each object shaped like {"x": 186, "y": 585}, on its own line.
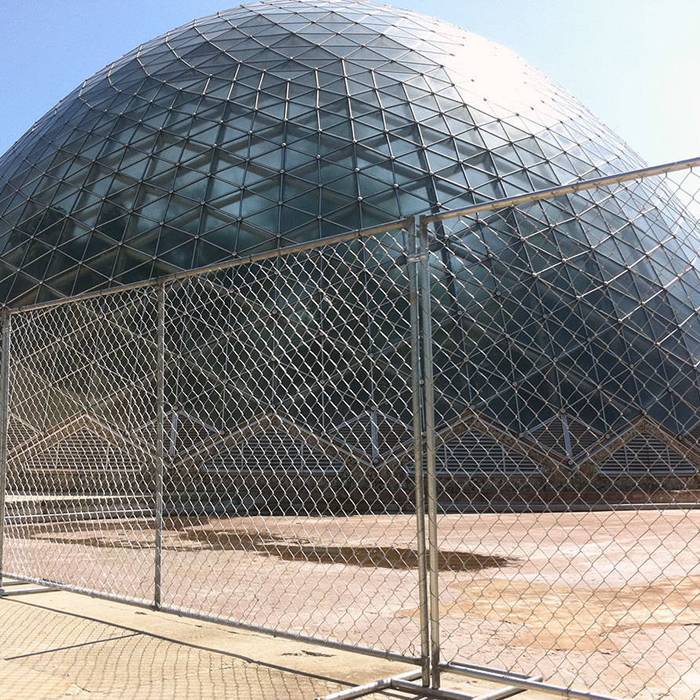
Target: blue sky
{"x": 634, "y": 63}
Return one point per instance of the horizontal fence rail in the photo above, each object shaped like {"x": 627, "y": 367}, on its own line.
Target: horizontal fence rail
{"x": 470, "y": 437}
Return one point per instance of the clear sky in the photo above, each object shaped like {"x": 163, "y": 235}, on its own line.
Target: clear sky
{"x": 634, "y": 63}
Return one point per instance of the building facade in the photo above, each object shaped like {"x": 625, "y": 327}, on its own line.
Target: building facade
{"x": 566, "y": 326}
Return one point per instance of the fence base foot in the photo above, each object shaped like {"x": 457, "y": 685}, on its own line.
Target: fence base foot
{"x": 511, "y": 684}
{"x": 518, "y": 682}
{"x": 406, "y": 683}
{"x": 359, "y": 691}
{"x": 10, "y": 582}
{"x": 4, "y": 593}
{"x": 5, "y": 582}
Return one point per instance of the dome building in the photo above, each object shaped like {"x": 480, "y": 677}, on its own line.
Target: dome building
{"x": 283, "y": 122}
{"x": 275, "y": 123}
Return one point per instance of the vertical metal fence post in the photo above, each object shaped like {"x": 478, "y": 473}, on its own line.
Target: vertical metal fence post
{"x": 4, "y": 420}
{"x": 160, "y": 446}
{"x": 417, "y": 406}
{"x": 429, "y": 423}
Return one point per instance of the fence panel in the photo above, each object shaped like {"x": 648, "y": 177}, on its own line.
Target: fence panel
{"x": 289, "y": 486}
{"x": 566, "y": 347}
{"x": 276, "y": 401}
{"x": 81, "y": 464}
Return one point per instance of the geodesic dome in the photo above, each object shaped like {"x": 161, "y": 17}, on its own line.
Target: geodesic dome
{"x": 284, "y": 121}
{"x": 275, "y": 123}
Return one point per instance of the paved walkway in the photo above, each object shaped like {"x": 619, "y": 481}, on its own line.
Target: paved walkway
{"x": 60, "y": 645}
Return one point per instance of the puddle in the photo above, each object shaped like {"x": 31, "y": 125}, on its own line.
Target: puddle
{"x": 377, "y": 556}
{"x": 180, "y": 536}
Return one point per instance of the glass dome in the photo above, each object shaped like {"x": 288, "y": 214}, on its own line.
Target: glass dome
{"x": 275, "y": 123}
{"x": 286, "y": 121}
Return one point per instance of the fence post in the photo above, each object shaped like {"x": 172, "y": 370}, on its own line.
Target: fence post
{"x": 4, "y": 421}
{"x": 160, "y": 444}
{"x": 417, "y": 407}
{"x": 429, "y": 423}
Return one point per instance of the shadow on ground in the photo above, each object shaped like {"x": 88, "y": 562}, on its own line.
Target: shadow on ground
{"x": 184, "y": 536}
{"x": 49, "y": 654}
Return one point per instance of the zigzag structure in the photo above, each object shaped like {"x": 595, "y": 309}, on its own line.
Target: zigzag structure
{"x": 310, "y": 379}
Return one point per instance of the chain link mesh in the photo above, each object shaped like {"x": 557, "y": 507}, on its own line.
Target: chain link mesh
{"x": 288, "y": 404}
{"x": 565, "y": 378}
{"x": 566, "y": 352}
{"x": 288, "y": 486}
{"x": 81, "y": 462}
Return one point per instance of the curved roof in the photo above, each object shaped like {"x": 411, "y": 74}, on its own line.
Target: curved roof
{"x": 274, "y": 123}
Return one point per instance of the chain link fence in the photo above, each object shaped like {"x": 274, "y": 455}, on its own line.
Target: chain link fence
{"x": 474, "y": 437}
{"x": 236, "y": 444}
{"x": 81, "y": 465}
{"x": 289, "y": 496}
{"x": 565, "y": 366}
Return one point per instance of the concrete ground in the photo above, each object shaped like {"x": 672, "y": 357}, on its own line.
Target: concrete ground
{"x": 604, "y": 600}
{"x": 60, "y": 645}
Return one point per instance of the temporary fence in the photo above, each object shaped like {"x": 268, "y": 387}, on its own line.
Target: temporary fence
{"x": 467, "y": 440}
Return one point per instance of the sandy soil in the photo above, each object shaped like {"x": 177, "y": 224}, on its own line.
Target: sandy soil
{"x": 608, "y": 600}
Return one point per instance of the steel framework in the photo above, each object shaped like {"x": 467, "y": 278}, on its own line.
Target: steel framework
{"x": 535, "y": 355}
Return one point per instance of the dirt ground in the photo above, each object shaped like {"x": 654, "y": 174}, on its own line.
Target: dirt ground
{"x": 605, "y": 600}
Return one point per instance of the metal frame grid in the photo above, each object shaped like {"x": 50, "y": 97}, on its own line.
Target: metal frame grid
{"x": 271, "y": 124}
{"x": 346, "y": 440}
{"x": 562, "y": 371}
